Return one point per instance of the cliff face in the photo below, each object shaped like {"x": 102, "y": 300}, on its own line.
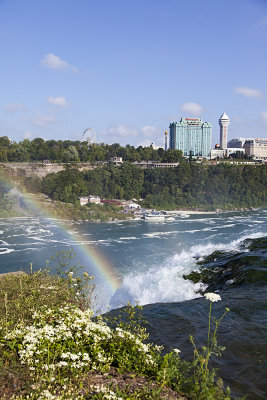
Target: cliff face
{"x": 39, "y": 169}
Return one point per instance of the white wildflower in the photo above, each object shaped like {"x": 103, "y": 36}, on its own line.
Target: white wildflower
{"x": 213, "y": 297}
{"x": 108, "y": 394}
{"x": 177, "y": 351}
{"x": 86, "y": 357}
{"x": 149, "y": 360}
{"x": 144, "y": 347}
{"x": 46, "y": 395}
{"x": 48, "y": 287}
{"x": 62, "y": 364}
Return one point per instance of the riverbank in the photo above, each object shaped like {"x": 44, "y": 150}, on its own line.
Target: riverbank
{"x": 33, "y": 204}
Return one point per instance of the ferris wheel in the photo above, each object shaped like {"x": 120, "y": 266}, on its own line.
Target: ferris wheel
{"x": 89, "y": 136}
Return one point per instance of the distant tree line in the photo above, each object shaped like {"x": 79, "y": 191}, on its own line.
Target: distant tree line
{"x": 188, "y": 185}
{"x": 67, "y": 151}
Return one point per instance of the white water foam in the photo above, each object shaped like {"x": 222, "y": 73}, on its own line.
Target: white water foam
{"x": 6, "y": 251}
{"x": 193, "y": 231}
{"x": 165, "y": 282}
{"x": 21, "y": 234}
{"x": 205, "y": 250}
{"x": 158, "y": 234}
{"x": 128, "y": 238}
{"x": 43, "y": 239}
{"x": 92, "y": 242}
{"x": 29, "y": 248}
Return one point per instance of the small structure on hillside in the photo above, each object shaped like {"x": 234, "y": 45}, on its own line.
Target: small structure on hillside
{"x": 116, "y": 160}
{"x": 155, "y": 164}
{"x": 134, "y": 206}
{"x": 89, "y": 199}
{"x": 94, "y": 199}
{"x": 84, "y": 200}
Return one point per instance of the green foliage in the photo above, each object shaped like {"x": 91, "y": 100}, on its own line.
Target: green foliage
{"x": 71, "y": 154}
{"x": 192, "y": 186}
{"x": 203, "y": 380}
{"x": 79, "y": 285}
{"x": 189, "y": 185}
{"x": 68, "y": 151}
{"x": 172, "y": 155}
{"x": 65, "y": 186}
{"x": 129, "y": 319}
{"x": 33, "y": 184}
{"x": 7, "y": 200}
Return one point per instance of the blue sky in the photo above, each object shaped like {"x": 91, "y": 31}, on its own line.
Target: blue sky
{"x": 127, "y": 68}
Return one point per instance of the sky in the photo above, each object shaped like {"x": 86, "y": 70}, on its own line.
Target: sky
{"x": 127, "y": 68}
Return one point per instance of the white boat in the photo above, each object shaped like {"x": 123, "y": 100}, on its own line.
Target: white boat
{"x": 154, "y": 217}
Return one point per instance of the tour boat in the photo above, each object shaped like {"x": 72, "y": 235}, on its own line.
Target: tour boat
{"x": 153, "y": 216}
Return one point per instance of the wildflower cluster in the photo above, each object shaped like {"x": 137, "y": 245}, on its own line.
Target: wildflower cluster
{"x": 66, "y": 340}
{"x": 213, "y": 297}
{"x": 107, "y": 394}
{"x": 96, "y": 391}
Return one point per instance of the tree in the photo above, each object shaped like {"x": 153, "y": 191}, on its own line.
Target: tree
{"x": 190, "y": 156}
{"x": 71, "y": 154}
{"x": 172, "y": 155}
{"x": 5, "y": 141}
{"x": 3, "y": 155}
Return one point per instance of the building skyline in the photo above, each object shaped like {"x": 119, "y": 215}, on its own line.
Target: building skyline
{"x": 191, "y": 136}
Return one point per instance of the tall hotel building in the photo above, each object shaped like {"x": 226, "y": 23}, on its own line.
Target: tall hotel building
{"x": 191, "y": 135}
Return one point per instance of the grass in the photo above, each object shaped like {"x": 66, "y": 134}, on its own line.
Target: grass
{"x": 51, "y": 346}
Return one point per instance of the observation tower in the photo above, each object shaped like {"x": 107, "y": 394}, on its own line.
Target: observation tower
{"x": 224, "y": 122}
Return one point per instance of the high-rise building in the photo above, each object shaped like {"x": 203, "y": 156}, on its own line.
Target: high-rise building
{"x": 224, "y": 122}
{"x": 191, "y": 135}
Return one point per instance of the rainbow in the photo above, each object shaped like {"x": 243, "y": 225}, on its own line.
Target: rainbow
{"x": 96, "y": 260}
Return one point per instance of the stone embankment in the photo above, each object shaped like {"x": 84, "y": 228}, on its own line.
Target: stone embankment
{"x": 16, "y": 169}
